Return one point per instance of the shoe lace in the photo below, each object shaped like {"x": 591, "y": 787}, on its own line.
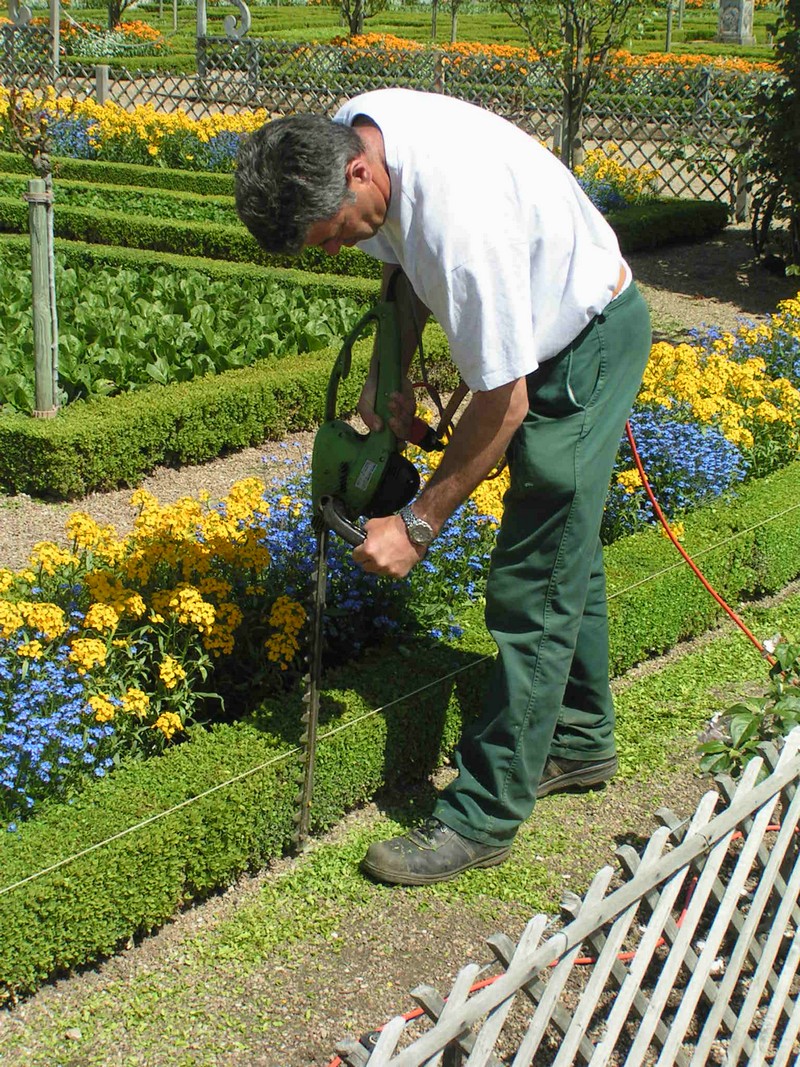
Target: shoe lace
{"x": 428, "y": 830}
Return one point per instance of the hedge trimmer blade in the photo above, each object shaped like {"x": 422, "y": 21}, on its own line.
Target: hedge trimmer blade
{"x": 310, "y": 718}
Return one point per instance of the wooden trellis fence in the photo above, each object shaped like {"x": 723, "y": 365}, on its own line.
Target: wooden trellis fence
{"x": 695, "y": 954}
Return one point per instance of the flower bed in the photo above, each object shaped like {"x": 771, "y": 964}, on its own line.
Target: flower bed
{"x": 115, "y": 647}
{"x": 122, "y": 328}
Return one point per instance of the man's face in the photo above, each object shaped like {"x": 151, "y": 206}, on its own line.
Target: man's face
{"x": 356, "y": 220}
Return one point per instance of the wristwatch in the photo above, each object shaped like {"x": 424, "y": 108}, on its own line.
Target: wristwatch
{"x": 419, "y": 532}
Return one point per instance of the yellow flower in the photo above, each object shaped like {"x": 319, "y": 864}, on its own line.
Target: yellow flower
{"x": 30, "y": 650}
{"x": 488, "y": 496}
{"x": 287, "y": 617}
{"x": 10, "y": 618}
{"x": 136, "y": 702}
{"x": 220, "y": 640}
{"x": 186, "y": 604}
{"x": 48, "y": 556}
{"x": 101, "y": 705}
{"x": 170, "y": 672}
{"x": 101, "y": 617}
{"x": 678, "y": 529}
{"x": 46, "y": 619}
{"x": 629, "y": 480}
{"x": 6, "y": 579}
{"x": 168, "y": 723}
{"x": 88, "y": 652}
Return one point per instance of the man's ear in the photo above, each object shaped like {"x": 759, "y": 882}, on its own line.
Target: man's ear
{"x": 358, "y": 171}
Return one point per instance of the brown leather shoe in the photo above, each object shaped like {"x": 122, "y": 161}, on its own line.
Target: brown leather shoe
{"x": 430, "y": 853}
{"x": 560, "y": 775}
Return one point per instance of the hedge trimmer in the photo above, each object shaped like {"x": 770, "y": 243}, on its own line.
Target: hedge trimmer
{"x": 353, "y": 475}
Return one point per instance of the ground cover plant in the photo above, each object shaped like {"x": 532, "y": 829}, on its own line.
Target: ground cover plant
{"x": 122, "y": 328}
{"x": 117, "y": 646}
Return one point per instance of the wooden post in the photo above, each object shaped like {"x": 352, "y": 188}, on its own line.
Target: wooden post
{"x": 102, "y": 89}
{"x": 668, "y": 41}
{"x": 438, "y": 72}
{"x": 742, "y": 195}
{"x": 39, "y": 199}
{"x": 55, "y": 30}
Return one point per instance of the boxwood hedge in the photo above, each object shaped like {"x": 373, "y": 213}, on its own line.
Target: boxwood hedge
{"x": 156, "y": 835}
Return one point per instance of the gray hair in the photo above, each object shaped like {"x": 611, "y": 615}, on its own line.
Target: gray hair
{"x": 290, "y": 174}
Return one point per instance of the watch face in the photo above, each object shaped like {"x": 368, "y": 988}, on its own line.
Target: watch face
{"x": 419, "y": 532}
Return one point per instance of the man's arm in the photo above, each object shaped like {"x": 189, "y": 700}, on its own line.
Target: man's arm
{"x": 481, "y": 437}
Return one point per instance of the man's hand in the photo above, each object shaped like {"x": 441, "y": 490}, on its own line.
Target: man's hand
{"x": 387, "y": 549}
{"x": 402, "y": 408}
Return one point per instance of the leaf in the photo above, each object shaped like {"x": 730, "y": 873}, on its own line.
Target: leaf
{"x": 743, "y": 728}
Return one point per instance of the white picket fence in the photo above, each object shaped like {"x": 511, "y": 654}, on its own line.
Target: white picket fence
{"x": 695, "y": 949}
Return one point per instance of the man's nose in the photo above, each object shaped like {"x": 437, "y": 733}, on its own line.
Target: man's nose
{"x": 332, "y": 246}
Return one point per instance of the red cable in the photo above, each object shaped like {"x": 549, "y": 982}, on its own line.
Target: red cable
{"x": 695, "y": 569}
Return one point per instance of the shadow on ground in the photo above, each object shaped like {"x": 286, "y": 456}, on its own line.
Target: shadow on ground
{"x": 722, "y": 269}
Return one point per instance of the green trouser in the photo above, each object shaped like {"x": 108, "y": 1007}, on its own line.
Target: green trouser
{"x": 546, "y": 604}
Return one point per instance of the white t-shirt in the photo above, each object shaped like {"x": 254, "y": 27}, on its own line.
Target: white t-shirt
{"x": 494, "y": 233}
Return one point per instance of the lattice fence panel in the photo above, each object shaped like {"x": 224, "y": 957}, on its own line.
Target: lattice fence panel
{"x": 694, "y": 956}
{"x": 26, "y": 56}
{"x": 686, "y": 122}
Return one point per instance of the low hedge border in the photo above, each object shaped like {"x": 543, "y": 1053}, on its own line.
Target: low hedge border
{"x": 115, "y": 441}
{"x": 638, "y": 228}
{"x": 206, "y": 183}
{"x": 208, "y": 240}
{"x": 85, "y": 909}
{"x": 80, "y": 253}
{"x": 222, "y": 200}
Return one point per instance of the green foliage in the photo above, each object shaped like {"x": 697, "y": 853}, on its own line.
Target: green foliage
{"x": 662, "y": 222}
{"x": 187, "y": 207}
{"x": 125, "y": 174}
{"x": 775, "y": 128}
{"x": 574, "y": 39}
{"x": 476, "y": 22}
{"x": 204, "y": 239}
{"x": 124, "y": 328}
{"x": 639, "y": 227}
{"x": 114, "y": 441}
{"x": 750, "y": 723}
{"x": 746, "y": 547}
{"x": 356, "y": 12}
{"x": 80, "y": 255}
